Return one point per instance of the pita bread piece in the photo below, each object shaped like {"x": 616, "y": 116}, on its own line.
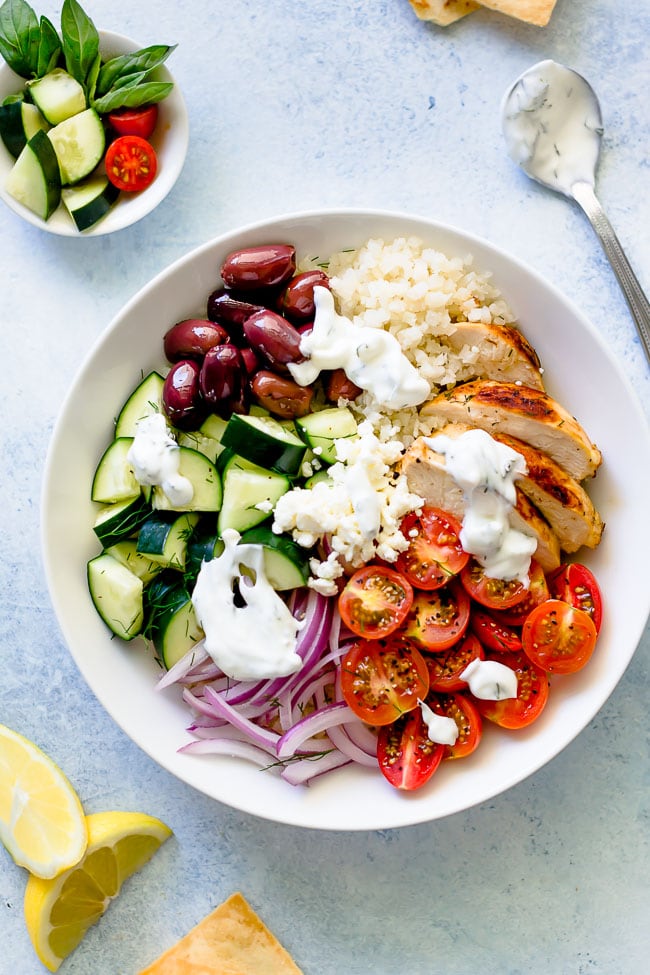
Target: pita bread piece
{"x": 443, "y": 12}
{"x": 232, "y": 940}
{"x": 536, "y": 12}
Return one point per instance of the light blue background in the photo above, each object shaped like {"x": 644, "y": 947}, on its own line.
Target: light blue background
{"x": 341, "y": 103}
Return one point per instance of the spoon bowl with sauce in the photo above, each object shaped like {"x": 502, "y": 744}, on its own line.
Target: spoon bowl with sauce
{"x": 553, "y": 126}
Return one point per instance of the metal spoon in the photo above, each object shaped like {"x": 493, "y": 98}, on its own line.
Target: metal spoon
{"x": 552, "y": 125}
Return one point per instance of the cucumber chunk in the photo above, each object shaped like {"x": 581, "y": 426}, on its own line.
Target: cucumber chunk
{"x": 79, "y": 143}
{"x": 171, "y": 623}
{"x": 286, "y": 564}
{"x": 121, "y": 520}
{"x": 249, "y": 495}
{"x": 127, "y": 553}
{"x": 58, "y": 95}
{"x": 266, "y": 442}
{"x": 34, "y": 179}
{"x": 114, "y": 479}
{"x": 89, "y": 201}
{"x": 117, "y": 595}
{"x": 321, "y": 430}
{"x": 145, "y": 400}
{"x": 205, "y": 481}
{"x": 164, "y": 537}
{"x": 19, "y": 121}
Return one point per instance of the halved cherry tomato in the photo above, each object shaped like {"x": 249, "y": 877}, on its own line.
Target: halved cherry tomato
{"x": 464, "y": 712}
{"x": 438, "y": 619}
{"x": 383, "y": 679}
{"x": 537, "y": 593}
{"x": 577, "y": 585}
{"x": 558, "y": 637}
{"x": 445, "y": 668}
{"x": 493, "y": 593}
{"x": 407, "y": 756}
{"x": 131, "y": 163}
{"x": 134, "y": 121}
{"x": 492, "y": 633}
{"x": 532, "y": 695}
{"x": 434, "y": 554}
{"x": 375, "y": 601}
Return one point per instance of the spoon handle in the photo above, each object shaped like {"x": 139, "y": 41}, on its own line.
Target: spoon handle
{"x": 584, "y": 195}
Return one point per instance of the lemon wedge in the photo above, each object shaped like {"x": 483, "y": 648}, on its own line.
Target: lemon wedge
{"x": 58, "y": 912}
{"x": 42, "y": 823}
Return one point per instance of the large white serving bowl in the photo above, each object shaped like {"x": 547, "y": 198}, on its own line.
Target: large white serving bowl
{"x": 579, "y": 372}
{"x": 169, "y": 140}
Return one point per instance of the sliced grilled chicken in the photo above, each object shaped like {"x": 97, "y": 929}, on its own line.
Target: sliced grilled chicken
{"x": 528, "y": 414}
{"x": 427, "y": 476}
{"x": 503, "y": 352}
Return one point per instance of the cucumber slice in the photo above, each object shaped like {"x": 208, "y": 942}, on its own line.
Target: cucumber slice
{"x": 141, "y": 565}
{"x": 79, "y": 143}
{"x": 115, "y": 522}
{"x": 89, "y": 201}
{"x": 34, "y": 179}
{"x": 244, "y": 488}
{"x": 266, "y": 442}
{"x": 205, "y": 481}
{"x": 213, "y": 426}
{"x": 321, "y": 430}
{"x": 117, "y": 595}
{"x": 164, "y": 537}
{"x": 316, "y": 478}
{"x": 114, "y": 479}
{"x": 204, "y": 545}
{"x": 19, "y": 121}
{"x": 172, "y": 624}
{"x": 205, "y": 445}
{"x": 58, "y": 95}
{"x": 145, "y": 400}
{"x": 286, "y": 564}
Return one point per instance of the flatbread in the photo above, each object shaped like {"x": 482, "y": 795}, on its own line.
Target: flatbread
{"x": 232, "y": 940}
{"x": 443, "y": 12}
{"x": 536, "y": 12}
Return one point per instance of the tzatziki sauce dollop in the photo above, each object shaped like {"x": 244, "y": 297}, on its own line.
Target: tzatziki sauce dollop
{"x": 155, "y": 458}
{"x": 552, "y": 125}
{"x": 440, "y": 728}
{"x": 490, "y": 680}
{"x": 371, "y": 358}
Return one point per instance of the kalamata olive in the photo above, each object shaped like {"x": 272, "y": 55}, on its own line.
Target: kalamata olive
{"x": 338, "y": 386}
{"x": 281, "y": 396}
{"x": 231, "y": 311}
{"x": 274, "y": 338}
{"x": 297, "y": 299}
{"x": 221, "y": 376}
{"x": 250, "y": 360}
{"x": 191, "y": 339}
{"x": 259, "y": 267}
{"x": 181, "y": 397}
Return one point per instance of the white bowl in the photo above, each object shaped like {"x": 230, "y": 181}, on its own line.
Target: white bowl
{"x": 579, "y": 372}
{"x": 170, "y": 140}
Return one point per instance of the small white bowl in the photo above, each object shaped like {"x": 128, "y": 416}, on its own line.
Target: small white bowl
{"x": 170, "y": 140}
{"x": 580, "y": 373}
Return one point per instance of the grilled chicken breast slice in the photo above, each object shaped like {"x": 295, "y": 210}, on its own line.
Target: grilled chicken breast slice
{"x": 528, "y": 414}
{"x": 503, "y": 352}
{"x": 427, "y": 476}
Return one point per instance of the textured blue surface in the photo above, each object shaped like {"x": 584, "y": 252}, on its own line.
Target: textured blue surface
{"x": 297, "y": 106}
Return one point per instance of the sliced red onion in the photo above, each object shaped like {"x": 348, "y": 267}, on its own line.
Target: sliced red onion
{"x": 311, "y": 725}
{"x": 338, "y": 735}
{"x": 194, "y": 656}
{"x": 256, "y": 734}
{"x": 227, "y": 746}
{"x": 302, "y": 771}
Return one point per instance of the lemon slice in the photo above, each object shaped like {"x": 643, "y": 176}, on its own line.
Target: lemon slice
{"x": 58, "y": 912}
{"x": 42, "y": 823}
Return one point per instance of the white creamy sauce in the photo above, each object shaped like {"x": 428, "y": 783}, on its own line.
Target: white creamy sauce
{"x": 155, "y": 457}
{"x": 255, "y": 641}
{"x": 442, "y": 730}
{"x": 552, "y": 126}
{"x": 490, "y": 680}
{"x": 371, "y": 358}
{"x": 485, "y": 470}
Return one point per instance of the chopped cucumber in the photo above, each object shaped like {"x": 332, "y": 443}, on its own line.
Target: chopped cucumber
{"x": 205, "y": 481}
{"x": 58, "y": 95}
{"x": 19, "y": 121}
{"x": 203, "y": 546}
{"x": 286, "y": 564}
{"x": 213, "y": 426}
{"x": 266, "y": 442}
{"x": 127, "y": 553}
{"x": 249, "y": 495}
{"x": 321, "y": 430}
{"x": 205, "y": 445}
{"x": 145, "y": 400}
{"x": 164, "y": 537}
{"x": 89, "y": 201}
{"x": 316, "y": 479}
{"x": 79, "y": 143}
{"x": 34, "y": 179}
{"x": 121, "y": 520}
{"x": 117, "y": 595}
{"x": 114, "y": 479}
{"x": 171, "y": 621}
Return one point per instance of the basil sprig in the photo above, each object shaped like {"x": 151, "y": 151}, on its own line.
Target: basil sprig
{"x": 80, "y": 44}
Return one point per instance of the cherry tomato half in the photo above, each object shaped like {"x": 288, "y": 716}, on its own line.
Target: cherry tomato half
{"x": 492, "y": 633}
{"x": 375, "y": 601}
{"x": 489, "y": 592}
{"x": 464, "y": 712}
{"x": 438, "y": 619}
{"x": 434, "y": 554}
{"x": 558, "y": 637}
{"x": 536, "y": 593}
{"x": 445, "y": 668}
{"x": 382, "y": 680}
{"x": 131, "y": 163}
{"x": 134, "y": 121}
{"x": 576, "y": 584}
{"x": 407, "y": 757}
{"x": 532, "y": 695}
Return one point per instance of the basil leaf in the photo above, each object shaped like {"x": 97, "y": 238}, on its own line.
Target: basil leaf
{"x": 133, "y": 96}
{"x": 19, "y": 37}
{"x": 80, "y": 41}
{"x": 145, "y": 60}
{"x": 91, "y": 80}
{"x": 49, "y": 48}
